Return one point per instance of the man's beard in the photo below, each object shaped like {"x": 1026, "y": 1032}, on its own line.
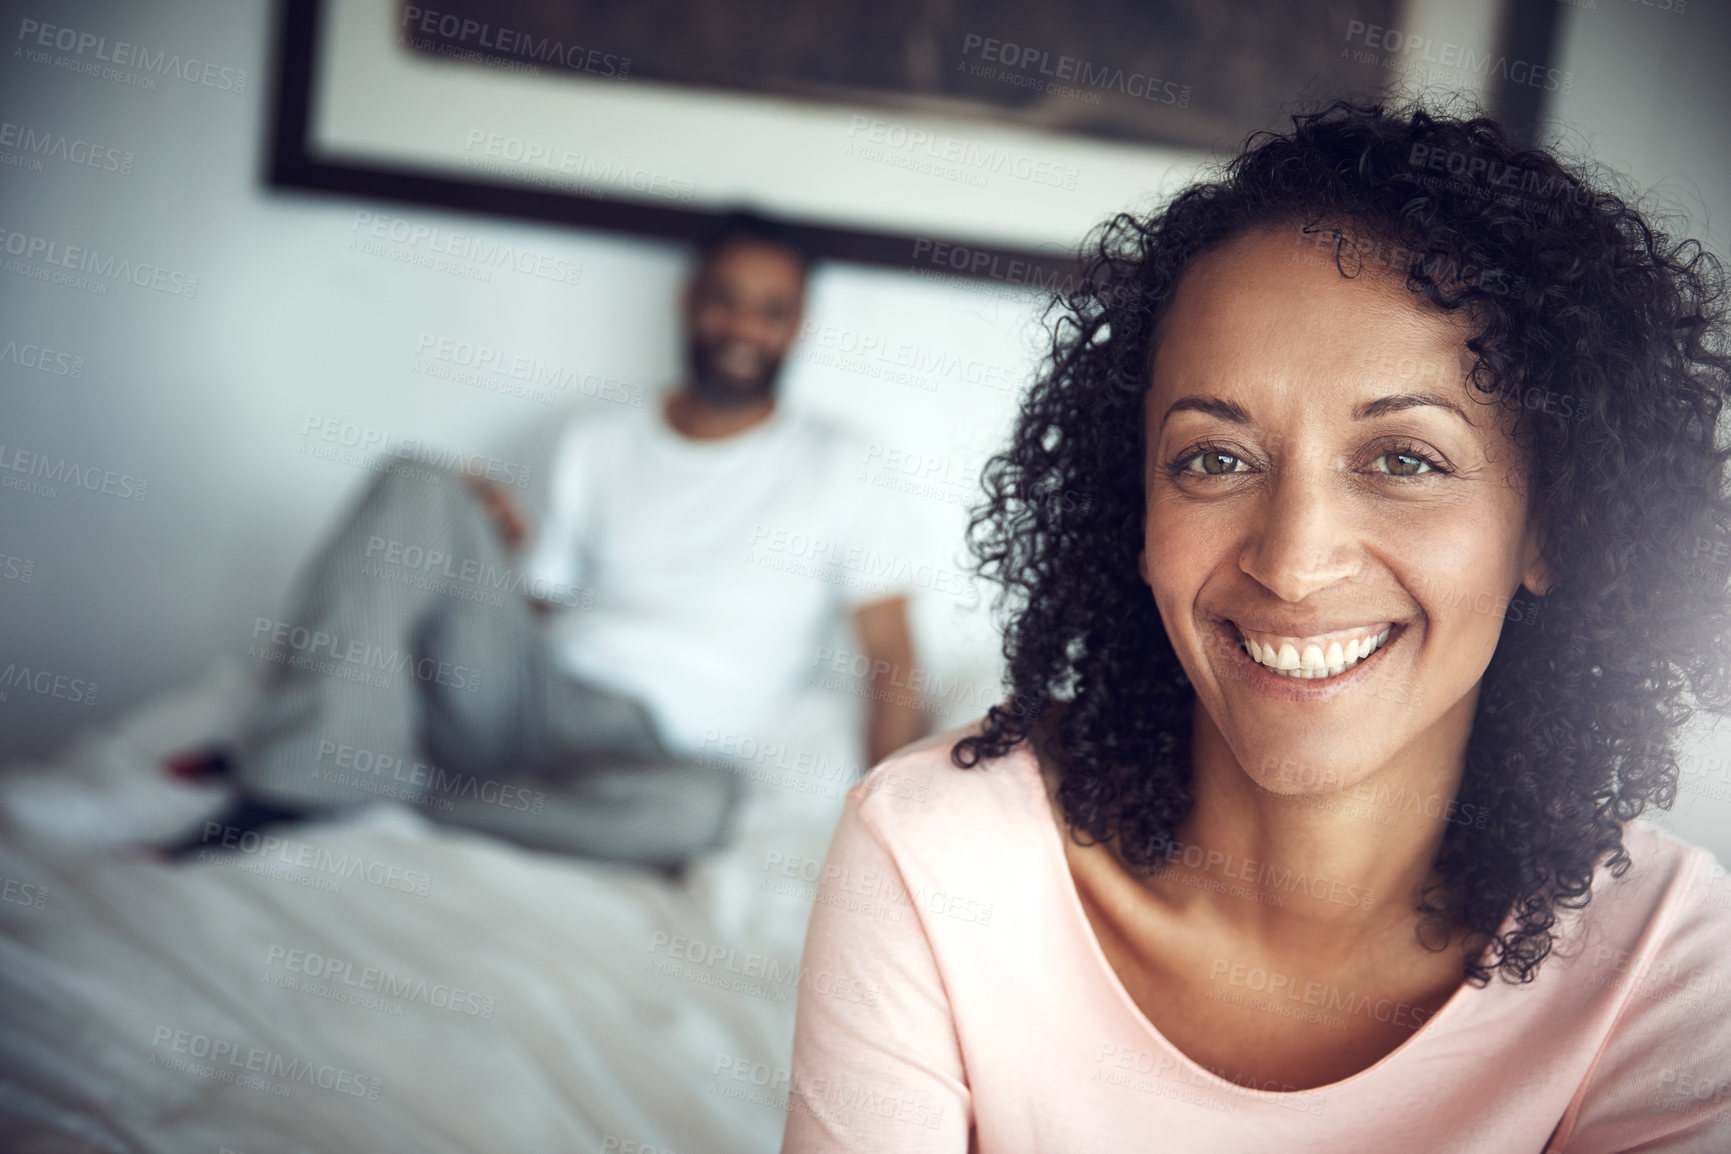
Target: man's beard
{"x": 721, "y": 389}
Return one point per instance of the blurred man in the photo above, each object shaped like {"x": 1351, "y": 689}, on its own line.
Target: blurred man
{"x": 696, "y": 553}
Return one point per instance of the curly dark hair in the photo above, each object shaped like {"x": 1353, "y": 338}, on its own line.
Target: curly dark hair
{"x": 1575, "y": 299}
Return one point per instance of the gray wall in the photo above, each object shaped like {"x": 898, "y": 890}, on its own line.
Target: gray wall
{"x": 1650, "y": 98}
{"x": 207, "y": 397}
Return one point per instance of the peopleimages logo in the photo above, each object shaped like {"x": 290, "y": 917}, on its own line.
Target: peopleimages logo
{"x": 560, "y": 167}
{"x": 473, "y": 571}
{"x": 46, "y": 683}
{"x": 59, "y": 146}
{"x": 1488, "y": 175}
{"x": 835, "y": 561}
{"x": 41, "y": 358}
{"x": 225, "y": 1060}
{"x": 333, "y": 438}
{"x": 1408, "y": 51}
{"x": 35, "y": 36}
{"x": 982, "y": 159}
{"x": 1029, "y": 59}
{"x": 80, "y": 260}
{"x": 469, "y": 254}
{"x": 991, "y": 265}
{"x": 298, "y": 646}
{"x": 378, "y": 979}
{"x": 46, "y": 474}
{"x": 539, "y": 377}
{"x": 511, "y": 42}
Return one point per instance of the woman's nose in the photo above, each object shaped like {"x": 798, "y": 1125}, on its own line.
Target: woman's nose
{"x": 1302, "y": 537}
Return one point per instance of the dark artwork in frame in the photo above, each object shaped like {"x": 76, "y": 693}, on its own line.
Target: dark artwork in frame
{"x": 1189, "y": 75}
{"x": 1180, "y": 73}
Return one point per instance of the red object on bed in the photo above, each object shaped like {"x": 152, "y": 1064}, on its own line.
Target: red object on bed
{"x": 196, "y": 765}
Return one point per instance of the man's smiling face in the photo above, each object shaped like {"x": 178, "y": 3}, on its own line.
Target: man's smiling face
{"x": 743, "y": 312}
{"x": 1331, "y": 512}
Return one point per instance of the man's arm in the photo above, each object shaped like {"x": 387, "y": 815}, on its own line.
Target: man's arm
{"x": 894, "y": 717}
{"x": 512, "y": 525}
{"x": 501, "y": 509}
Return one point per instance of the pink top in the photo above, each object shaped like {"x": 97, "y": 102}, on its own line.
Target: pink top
{"x": 953, "y": 998}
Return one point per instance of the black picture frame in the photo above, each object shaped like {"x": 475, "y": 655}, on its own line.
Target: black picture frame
{"x": 292, "y": 164}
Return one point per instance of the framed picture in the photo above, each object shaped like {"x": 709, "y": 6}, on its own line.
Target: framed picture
{"x": 964, "y": 139}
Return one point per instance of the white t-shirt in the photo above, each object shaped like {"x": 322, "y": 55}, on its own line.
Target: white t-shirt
{"x": 704, "y": 575}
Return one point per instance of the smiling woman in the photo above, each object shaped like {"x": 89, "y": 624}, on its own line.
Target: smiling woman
{"x": 1395, "y": 583}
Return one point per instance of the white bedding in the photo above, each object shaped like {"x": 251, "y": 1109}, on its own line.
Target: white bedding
{"x": 523, "y": 1002}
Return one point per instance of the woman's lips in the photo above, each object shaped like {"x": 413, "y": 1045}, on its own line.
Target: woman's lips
{"x": 1315, "y": 655}
{"x": 1300, "y": 683}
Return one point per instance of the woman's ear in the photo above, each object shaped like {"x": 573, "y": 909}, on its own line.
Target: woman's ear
{"x": 1535, "y": 571}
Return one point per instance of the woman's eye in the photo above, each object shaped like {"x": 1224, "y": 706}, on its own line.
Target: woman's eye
{"x": 1215, "y": 463}
{"x": 1405, "y": 464}
{"x": 1220, "y": 462}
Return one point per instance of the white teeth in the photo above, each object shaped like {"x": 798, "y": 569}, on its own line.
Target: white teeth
{"x": 1314, "y": 662}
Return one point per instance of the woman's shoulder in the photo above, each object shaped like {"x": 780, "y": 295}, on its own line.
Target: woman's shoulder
{"x": 919, "y": 792}
{"x": 1655, "y": 940}
{"x": 959, "y": 841}
{"x": 1651, "y": 972}
{"x": 1672, "y": 892}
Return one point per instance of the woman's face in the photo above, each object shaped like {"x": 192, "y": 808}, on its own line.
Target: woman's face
{"x": 1323, "y": 482}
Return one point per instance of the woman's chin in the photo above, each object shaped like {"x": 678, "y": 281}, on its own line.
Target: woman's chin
{"x": 1310, "y": 768}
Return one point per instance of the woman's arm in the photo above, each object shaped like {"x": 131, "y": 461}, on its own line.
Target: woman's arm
{"x": 877, "y": 1065}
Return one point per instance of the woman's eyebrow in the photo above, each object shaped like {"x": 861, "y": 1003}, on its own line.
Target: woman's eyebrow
{"x": 1395, "y": 402}
{"x": 1213, "y": 406}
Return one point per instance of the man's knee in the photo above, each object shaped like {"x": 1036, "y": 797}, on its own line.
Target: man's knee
{"x": 402, "y": 478}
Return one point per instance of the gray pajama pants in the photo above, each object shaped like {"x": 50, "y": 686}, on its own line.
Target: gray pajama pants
{"x": 413, "y": 668}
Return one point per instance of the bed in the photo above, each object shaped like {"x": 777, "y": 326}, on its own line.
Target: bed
{"x": 384, "y": 983}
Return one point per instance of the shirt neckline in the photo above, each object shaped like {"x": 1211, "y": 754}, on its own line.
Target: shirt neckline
{"x": 1050, "y": 838}
{"x": 670, "y": 437}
